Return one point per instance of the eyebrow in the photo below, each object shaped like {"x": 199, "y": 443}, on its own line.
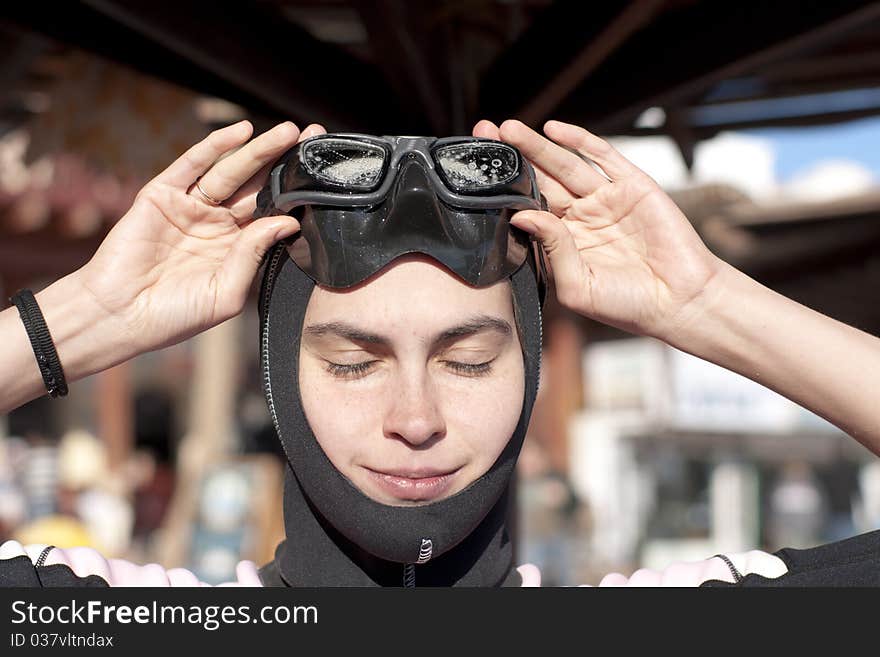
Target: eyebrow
{"x": 354, "y": 333}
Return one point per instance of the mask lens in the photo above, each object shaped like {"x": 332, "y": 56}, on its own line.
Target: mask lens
{"x": 344, "y": 162}
{"x": 473, "y": 166}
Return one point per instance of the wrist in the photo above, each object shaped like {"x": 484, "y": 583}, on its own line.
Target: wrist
{"x": 706, "y": 325}
{"x": 87, "y": 337}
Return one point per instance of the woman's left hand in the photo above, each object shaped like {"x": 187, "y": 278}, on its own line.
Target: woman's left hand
{"x": 620, "y": 250}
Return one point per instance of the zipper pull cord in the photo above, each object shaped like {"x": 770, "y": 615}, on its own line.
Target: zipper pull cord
{"x": 426, "y": 549}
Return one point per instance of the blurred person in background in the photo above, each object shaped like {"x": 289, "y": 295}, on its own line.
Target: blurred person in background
{"x": 33, "y": 457}
{"x": 153, "y": 462}
{"x": 798, "y": 508}
{"x": 13, "y": 506}
{"x": 552, "y": 518}
{"x": 183, "y": 259}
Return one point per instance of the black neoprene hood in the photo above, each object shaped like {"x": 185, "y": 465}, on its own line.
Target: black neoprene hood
{"x": 323, "y": 508}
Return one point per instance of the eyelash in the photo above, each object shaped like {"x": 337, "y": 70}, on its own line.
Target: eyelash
{"x": 349, "y": 371}
{"x": 359, "y": 370}
{"x": 471, "y": 369}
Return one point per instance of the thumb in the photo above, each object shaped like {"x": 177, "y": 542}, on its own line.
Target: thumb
{"x": 244, "y": 259}
{"x": 562, "y": 254}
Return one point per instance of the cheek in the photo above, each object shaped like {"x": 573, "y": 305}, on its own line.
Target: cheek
{"x": 341, "y": 417}
{"x": 485, "y": 414}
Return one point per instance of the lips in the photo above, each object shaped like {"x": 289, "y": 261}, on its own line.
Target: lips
{"x": 417, "y": 485}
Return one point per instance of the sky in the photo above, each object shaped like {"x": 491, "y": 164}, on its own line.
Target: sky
{"x": 856, "y": 140}
{"x": 815, "y": 163}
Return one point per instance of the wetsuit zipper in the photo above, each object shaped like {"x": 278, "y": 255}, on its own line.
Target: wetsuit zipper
{"x": 409, "y": 575}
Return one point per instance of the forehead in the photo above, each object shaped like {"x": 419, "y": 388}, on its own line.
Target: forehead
{"x": 414, "y": 290}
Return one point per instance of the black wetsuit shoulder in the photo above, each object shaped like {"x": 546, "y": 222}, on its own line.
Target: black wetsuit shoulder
{"x": 20, "y": 571}
{"x": 270, "y": 575}
{"x": 851, "y": 562}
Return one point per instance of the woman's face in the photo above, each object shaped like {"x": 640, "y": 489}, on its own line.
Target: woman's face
{"x": 412, "y": 382}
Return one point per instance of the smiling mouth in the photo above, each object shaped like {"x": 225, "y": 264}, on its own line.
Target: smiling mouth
{"x": 414, "y": 486}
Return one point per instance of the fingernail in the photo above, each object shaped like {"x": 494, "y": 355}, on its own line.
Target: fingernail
{"x": 286, "y": 229}
{"x": 524, "y": 223}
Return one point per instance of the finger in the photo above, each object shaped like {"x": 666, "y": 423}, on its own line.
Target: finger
{"x": 559, "y": 199}
{"x": 243, "y": 202}
{"x": 486, "y": 130}
{"x": 195, "y": 161}
{"x": 311, "y": 130}
{"x": 591, "y": 212}
{"x": 569, "y": 169}
{"x": 244, "y": 259}
{"x": 224, "y": 178}
{"x": 593, "y": 147}
{"x": 562, "y": 253}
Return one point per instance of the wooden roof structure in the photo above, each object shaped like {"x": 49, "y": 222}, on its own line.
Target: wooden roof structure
{"x": 435, "y": 67}
{"x": 391, "y": 66}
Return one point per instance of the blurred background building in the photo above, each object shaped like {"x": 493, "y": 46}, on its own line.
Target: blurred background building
{"x": 761, "y": 119}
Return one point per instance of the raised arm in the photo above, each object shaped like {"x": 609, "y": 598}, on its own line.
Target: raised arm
{"x": 174, "y": 265}
{"x": 622, "y": 253}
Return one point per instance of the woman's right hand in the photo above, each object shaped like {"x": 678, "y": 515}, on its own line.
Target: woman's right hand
{"x": 175, "y": 264}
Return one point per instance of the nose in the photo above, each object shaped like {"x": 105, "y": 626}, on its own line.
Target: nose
{"x": 414, "y": 415}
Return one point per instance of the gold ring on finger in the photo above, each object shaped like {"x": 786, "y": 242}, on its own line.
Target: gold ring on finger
{"x": 210, "y": 200}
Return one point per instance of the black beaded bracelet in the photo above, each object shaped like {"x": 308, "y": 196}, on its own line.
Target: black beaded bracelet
{"x": 41, "y": 342}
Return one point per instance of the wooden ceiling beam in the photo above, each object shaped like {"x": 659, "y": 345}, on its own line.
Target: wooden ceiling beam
{"x": 402, "y": 47}
{"x": 241, "y": 51}
{"x": 554, "y": 56}
{"x": 685, "y": 51}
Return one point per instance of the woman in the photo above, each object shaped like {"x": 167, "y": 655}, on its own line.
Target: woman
{"x": 405, "y": 418}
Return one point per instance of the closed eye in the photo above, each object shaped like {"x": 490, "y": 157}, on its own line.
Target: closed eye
{"x": 353, "y": 371}
{"x": 470, "y": 369}
{"x": 359, "y": 370}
